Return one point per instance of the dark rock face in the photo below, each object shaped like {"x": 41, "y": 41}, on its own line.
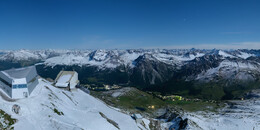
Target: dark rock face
{"x": 177, "y": 122}
{"x": 168, "y": 116}
{"x": 150, "y": 71}
{"x": 198, "y": 65}
{"x": 183, "y": 124}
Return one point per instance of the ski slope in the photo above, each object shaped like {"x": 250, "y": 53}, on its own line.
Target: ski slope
{"x": 77, "y": 110}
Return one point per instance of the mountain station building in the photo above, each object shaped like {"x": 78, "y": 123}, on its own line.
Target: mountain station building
{"x": 19, "y": 83}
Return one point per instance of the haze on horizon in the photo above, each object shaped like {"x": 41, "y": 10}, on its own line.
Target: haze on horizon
{"x": 129, "y": 24}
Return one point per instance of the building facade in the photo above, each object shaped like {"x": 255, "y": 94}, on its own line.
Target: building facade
{"x": 19, "y": 83}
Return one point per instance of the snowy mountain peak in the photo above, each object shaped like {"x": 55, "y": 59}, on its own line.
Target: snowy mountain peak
{"x": 111, "y": 59}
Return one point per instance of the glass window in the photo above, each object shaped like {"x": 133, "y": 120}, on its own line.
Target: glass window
{"x": 14, "y": 86}
{"x": 20, "y": 86}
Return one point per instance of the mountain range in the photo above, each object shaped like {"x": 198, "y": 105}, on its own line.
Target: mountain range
{"x": 168, "y": 71}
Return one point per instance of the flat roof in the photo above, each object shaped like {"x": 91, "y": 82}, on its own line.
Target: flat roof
{"x": 18, "y": 73}
{"x": 64, "y": 78}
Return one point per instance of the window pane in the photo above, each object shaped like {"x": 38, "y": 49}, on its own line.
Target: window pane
{"x": 20, "y": 86}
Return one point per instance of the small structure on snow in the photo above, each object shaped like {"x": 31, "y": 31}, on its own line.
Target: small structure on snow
{"x": 67, "y": 79}
{"x": 138, "y": 118}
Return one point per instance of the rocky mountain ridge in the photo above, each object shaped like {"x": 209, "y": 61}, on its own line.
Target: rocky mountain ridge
{"x": 144, "y": 67}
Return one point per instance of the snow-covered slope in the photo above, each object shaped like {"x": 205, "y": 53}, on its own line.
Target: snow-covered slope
{"x": 225, "y": 54}
{"x": 239, "y": 70}
{"x": 239, "y": 115}
{"x": 77, "y": 110}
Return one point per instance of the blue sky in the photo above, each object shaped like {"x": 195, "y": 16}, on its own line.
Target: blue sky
{"x": 126, "y": 24}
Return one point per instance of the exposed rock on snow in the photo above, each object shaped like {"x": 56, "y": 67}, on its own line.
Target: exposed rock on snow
{"x": 239, "y": 115}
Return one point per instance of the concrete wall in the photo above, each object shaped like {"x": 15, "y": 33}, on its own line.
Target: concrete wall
{"x": 139, "y": 121}
{"x": 6, "y": 89}
{"x": 32, "y": 74}
{"x": 31, "y": 86}
{"x": 58, "y": 76}
{"x": 4, "y": 77}
{"x": 19, "y": 93}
